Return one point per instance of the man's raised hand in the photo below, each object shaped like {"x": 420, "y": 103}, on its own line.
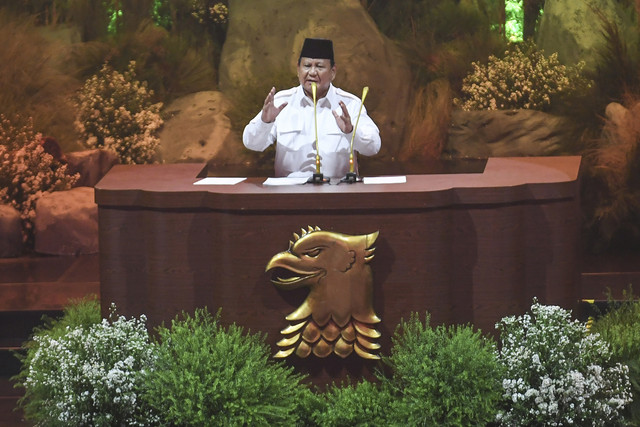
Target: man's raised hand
{"x": 269, "y": 110}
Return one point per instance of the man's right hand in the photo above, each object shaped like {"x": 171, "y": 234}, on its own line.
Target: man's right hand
{"x": 269, "y": 110}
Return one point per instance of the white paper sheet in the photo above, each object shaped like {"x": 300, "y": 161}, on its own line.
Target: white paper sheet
{"x": 286, "y": 181}
{"x": 212, "y": 180}
{"x": 384, "y": 179}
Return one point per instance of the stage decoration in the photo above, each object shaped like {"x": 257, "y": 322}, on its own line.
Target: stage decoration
{"x": 337, "y": 315}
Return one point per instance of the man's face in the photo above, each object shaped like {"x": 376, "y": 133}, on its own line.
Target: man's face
{"x": 319, "y": 71}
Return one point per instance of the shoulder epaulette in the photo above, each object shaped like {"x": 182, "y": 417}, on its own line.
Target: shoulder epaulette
{"x": 346, "y": 94}
{"x": 285, "y": 93}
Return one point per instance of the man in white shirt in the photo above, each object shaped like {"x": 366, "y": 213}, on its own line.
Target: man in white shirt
{"x": 287, "y": 118}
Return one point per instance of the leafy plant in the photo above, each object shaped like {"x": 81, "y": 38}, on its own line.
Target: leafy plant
{"x": 210, "y": 375}
{"x": 80, "y": 371}
{"x": 116, "y": 113}
{"x": 556, "y": 373}
{"x": 27, "y": 171}
{"x": 79, "y": 313}
{"x": 446, "y": 376}
{"x": 621, "y": 329}
{"x": 523, "y": 78}
{"x": 361, "y": 404}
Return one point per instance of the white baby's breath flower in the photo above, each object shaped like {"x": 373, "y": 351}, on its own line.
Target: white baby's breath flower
{"x": 557, "y": 373}
{"x": 523, "y": 78}
{"x": 94, "y": 375}
{"x": 116, "y": 113}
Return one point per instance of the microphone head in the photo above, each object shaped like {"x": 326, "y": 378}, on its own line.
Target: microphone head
{"x": 314, "y": 89}
{"x": 365, "y": 91}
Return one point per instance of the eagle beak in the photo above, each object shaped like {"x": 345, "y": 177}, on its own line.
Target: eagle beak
{"x": 282, "y": 260}
{"x": 289, "y": 262}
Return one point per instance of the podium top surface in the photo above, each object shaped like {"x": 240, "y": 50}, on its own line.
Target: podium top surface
{"x": 504, "y": 180}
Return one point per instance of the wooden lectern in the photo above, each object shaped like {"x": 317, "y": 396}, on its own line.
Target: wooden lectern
{"x": 467, "y": 248}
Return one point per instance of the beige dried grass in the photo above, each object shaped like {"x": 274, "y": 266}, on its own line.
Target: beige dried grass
{"x": 32, "y": 84}
{"x": 428, "y": 121}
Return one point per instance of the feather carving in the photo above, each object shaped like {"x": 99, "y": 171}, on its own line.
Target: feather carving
{"x": 337, "y": 315}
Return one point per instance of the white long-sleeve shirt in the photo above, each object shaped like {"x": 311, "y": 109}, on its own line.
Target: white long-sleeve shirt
{"x": 293, "y": 131}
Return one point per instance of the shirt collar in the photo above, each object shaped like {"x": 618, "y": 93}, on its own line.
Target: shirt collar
{"x": 329, "y": 101}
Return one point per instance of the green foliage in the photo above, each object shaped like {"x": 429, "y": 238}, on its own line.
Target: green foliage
{"x": 621, "y": 329}
{"x": 115, "y": 112}
{"x": 363, "y": 404}
{"x": 556, "y": 373}
{"x": 80, "y": 313}
{"x": 81, "y": 372}
{"x": 447, "y": 376}
{"x": 514, "y": 20}
{"x": 210, "y": 375}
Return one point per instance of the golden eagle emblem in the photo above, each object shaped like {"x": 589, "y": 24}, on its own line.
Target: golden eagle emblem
{"x": 337, "y": 316}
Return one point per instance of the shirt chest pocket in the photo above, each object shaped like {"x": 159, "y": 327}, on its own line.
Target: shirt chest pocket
{"x": 291, "y": 136}
{"x": 332, "y": 139}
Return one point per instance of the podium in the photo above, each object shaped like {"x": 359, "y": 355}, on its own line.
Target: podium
{"x": 467, "y": 248}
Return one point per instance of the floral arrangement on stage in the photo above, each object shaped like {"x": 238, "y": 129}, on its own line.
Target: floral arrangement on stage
{"x": 523, "y": 79}
{"x": 116, "y": 112}
{"x": 557, "y": 373}
{"x": 621, "y": 329}
{"x": 89, "y": 373}
{"x": 548, "y": 370}
{"x": 27, "y": 171}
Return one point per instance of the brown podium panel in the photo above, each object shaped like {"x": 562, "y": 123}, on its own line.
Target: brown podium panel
{"x": 467, "y": 248}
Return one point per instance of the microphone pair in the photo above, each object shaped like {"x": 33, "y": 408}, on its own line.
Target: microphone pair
{"x": 351, "y": 177}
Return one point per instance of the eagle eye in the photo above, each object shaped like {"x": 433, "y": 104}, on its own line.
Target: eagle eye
{"x": 313, "y": 253}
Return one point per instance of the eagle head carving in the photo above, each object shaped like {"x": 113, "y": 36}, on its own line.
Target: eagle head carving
{"x": 337, "y": 315}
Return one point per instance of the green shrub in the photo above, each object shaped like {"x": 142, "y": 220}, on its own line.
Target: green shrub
{"x": 557, "y": 373}
{"x": 447, "y": 376}
{"x": 621, "y": 329}
{"x": 208, "y": 375}
{"x": 363, "y": 404}
{"x": 115, "y": 112}
{"x": 82, "y": 371}
{"x": 81, "y": 313}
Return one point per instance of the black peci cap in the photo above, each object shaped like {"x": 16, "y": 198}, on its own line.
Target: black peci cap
{"x": 317, "y": 48}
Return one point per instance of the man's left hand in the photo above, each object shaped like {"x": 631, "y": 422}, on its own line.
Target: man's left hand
{"x": 344, "y": 120}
